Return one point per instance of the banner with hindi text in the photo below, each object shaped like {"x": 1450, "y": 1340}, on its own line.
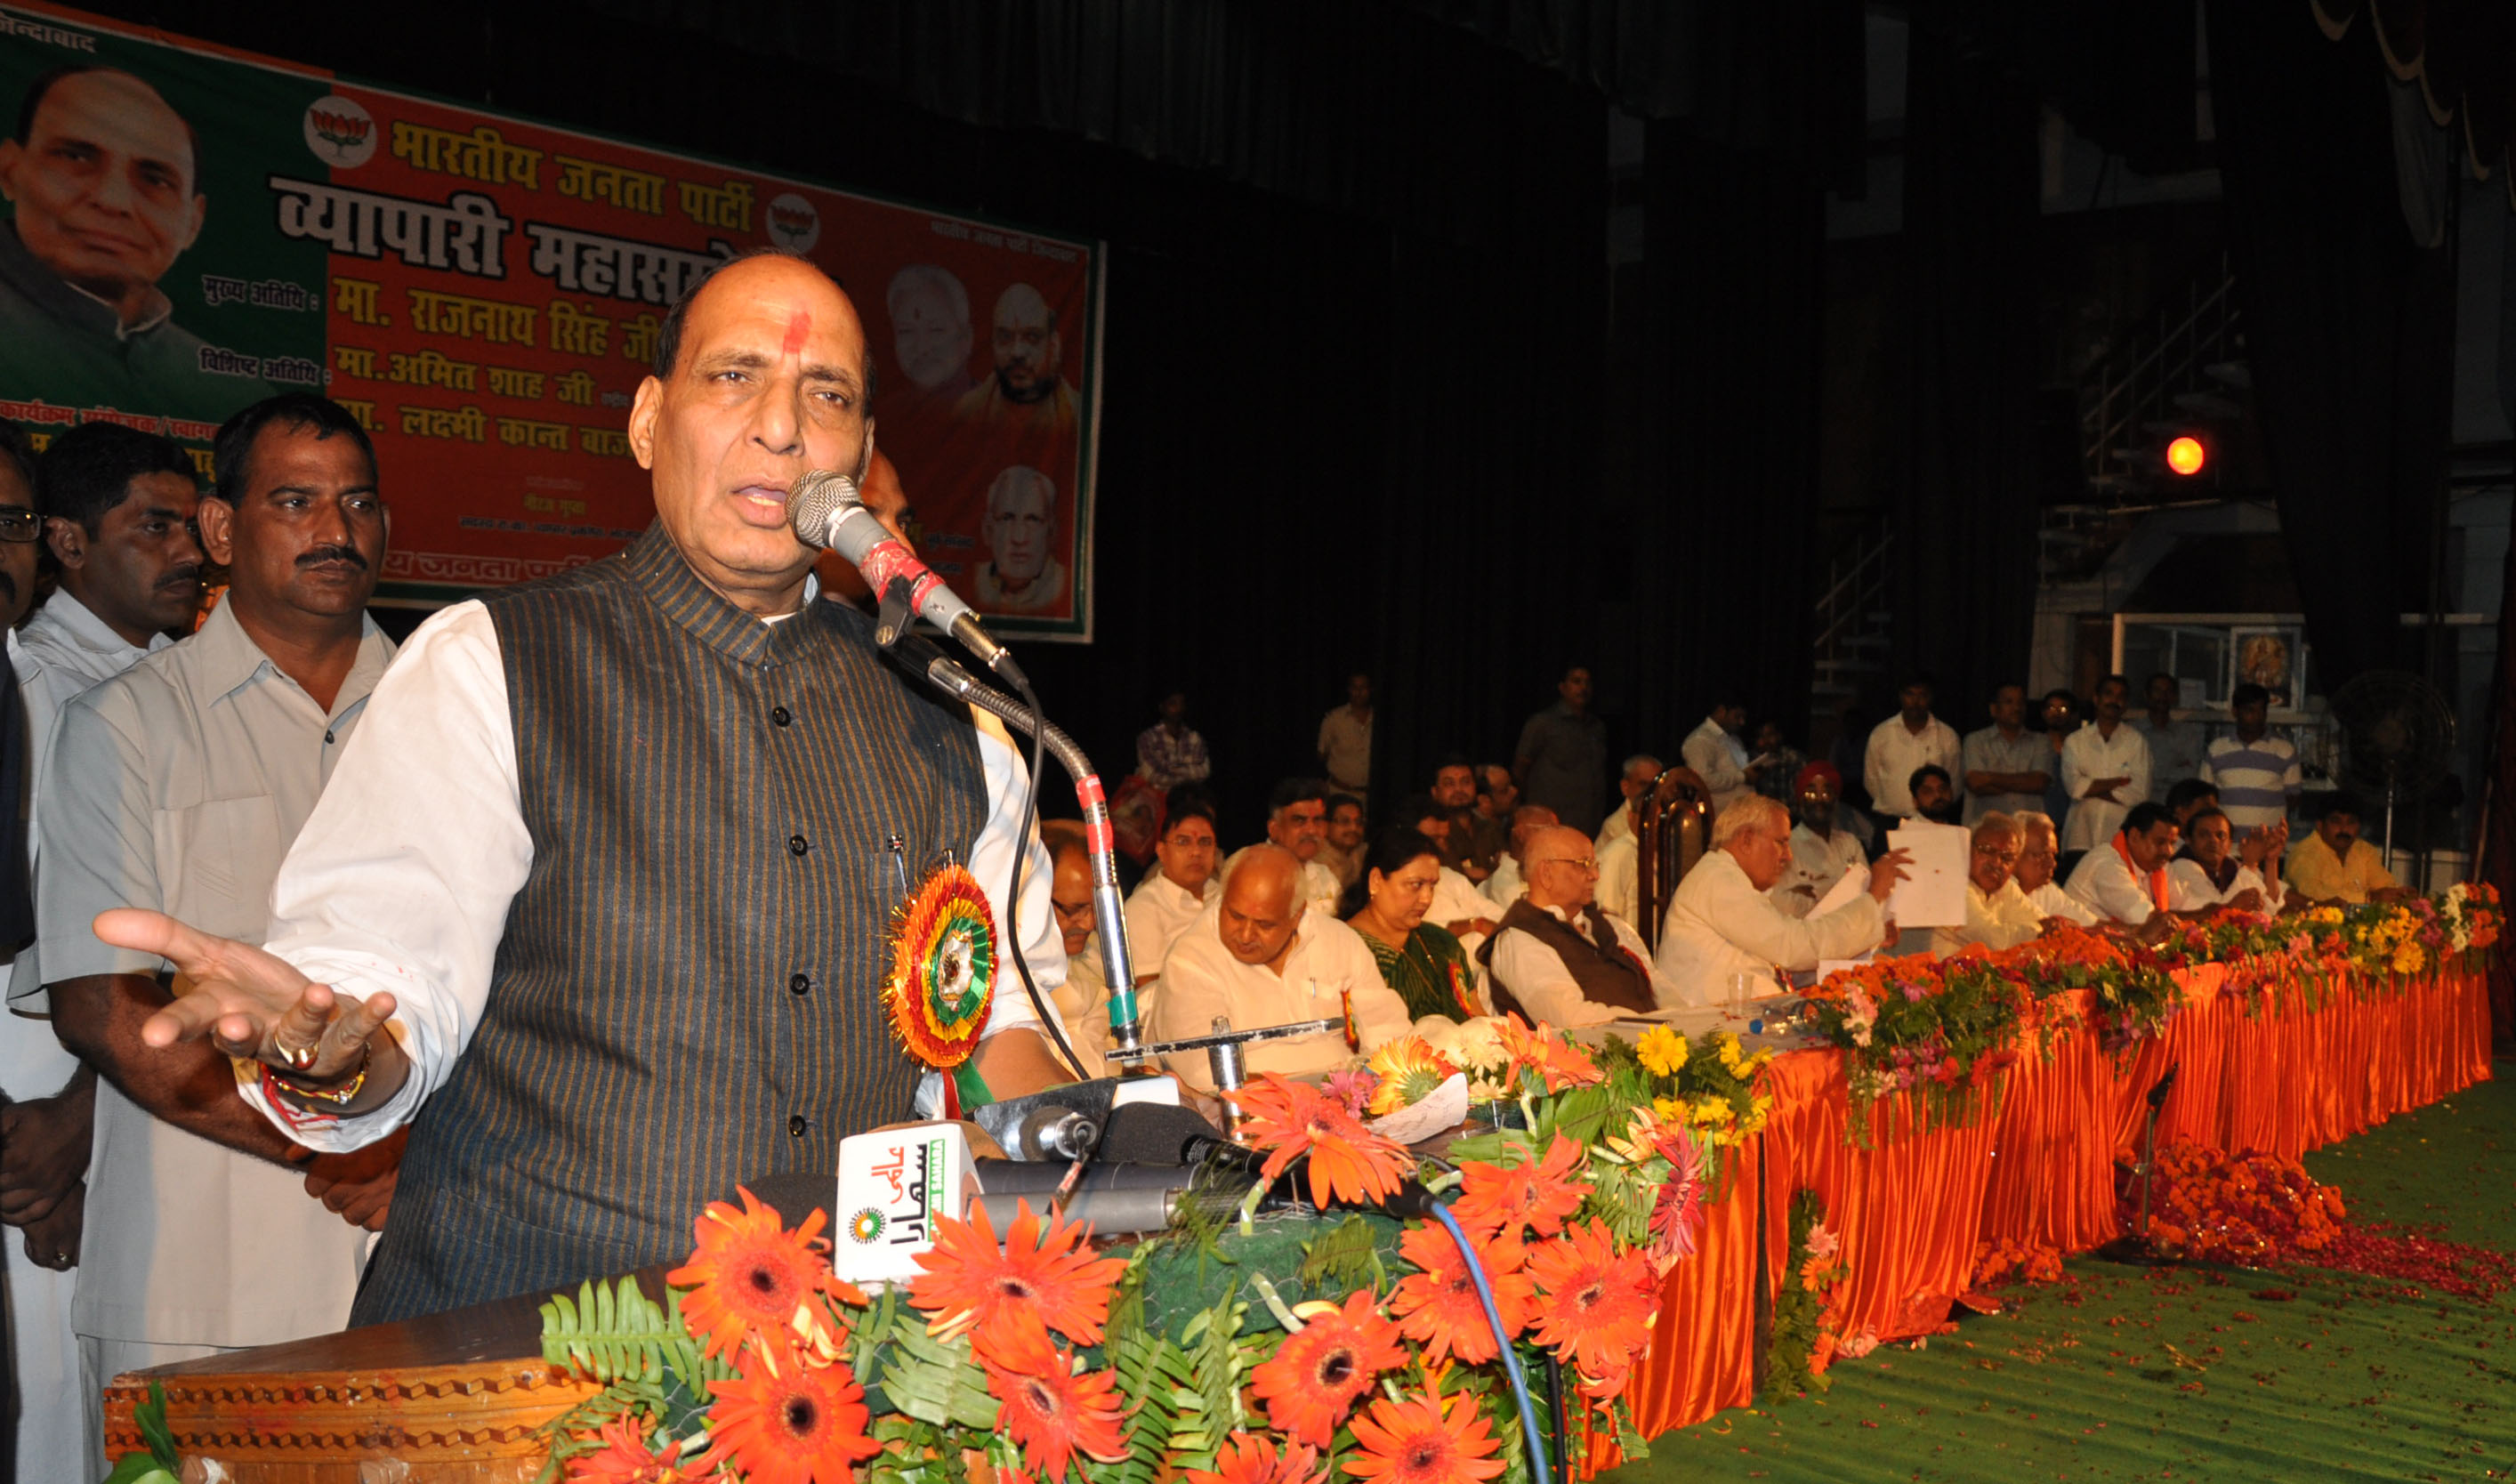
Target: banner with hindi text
{"x": 192, "y": 228}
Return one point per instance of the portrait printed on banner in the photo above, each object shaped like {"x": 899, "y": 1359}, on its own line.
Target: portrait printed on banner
{"x": 2273, "y": 658}
{"x": 1028, "y": 394}
{"x": 1021, "y": 574}
{"x": 103, "y": 182}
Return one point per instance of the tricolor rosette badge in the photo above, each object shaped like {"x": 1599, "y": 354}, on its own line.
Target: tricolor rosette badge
{"x": 943, "y": 968}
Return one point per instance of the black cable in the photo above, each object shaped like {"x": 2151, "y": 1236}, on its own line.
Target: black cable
{"x": 1049, "y": 1020}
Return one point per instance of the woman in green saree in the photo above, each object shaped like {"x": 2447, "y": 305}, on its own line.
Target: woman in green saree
{"x": 1424, "y": 964}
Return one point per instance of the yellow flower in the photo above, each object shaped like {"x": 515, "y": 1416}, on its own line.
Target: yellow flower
{"x": 1729, "y": 1052}
{"x": 1761, "y": 1059}
{"x": 2410, "y": 958}
{"x": 2330, "y": 916}
{"x": 1669, "y": 1110}
{"x": 1662, "y": 1050}
{"x": 1710, "y": 1110}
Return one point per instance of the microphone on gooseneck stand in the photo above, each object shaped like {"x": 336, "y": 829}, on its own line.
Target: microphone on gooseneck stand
{"x": 828, "y": 512}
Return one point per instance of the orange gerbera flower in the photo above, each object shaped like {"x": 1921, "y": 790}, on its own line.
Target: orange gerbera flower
{"x": 1438, "y": 1305}
{"x": 1414, "y": 1442}
{"x": 1558, "y": 1063}
{"x": 626, "y": 1459}
{"x": 1599, "y": 1305}
{"x": 1310, "y": 1382}
{"x": 1540, "y": 1196}
{"x": 750, "y": 1277}
{"x": 788, "y": 1423}
{"x": 1035, "y": 1281}
{"x": 1348, "y": 1161}
{"x": 1051, "y": 1409}
{"x": 1252, "y": 1459}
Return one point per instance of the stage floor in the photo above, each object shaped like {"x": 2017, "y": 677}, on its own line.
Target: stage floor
{"x": 2201, "y": 1373}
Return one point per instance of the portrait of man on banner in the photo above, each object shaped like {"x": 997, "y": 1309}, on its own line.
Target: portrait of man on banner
{"x": 104, "y": 180}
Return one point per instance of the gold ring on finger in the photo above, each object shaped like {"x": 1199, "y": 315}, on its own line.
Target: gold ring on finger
{"x": 298, "y": 1058}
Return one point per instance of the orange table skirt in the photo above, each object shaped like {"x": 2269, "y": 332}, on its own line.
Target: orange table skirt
{"x": 2297, "y": 1067}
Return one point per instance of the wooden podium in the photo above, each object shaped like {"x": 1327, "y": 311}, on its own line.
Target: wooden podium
{"x": 453, "y": 1396}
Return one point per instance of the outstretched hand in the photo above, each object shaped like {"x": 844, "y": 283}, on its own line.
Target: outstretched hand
{"x": 248, "y": 1003}
{"x": 1888, "y": 869}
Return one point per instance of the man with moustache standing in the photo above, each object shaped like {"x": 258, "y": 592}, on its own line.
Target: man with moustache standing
{"x": 178, "y": 785}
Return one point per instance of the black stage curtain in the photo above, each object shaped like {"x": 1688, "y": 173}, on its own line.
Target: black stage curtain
{"x": 2349, "y": 326}
{"x": 1965, "y": 569}
{"x": 1722, "y": 583}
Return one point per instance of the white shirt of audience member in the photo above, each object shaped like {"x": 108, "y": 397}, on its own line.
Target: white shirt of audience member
{"x": 2089, "y": 757}
{"x": 1715, "y": 752}
{"x": 1903, "y": 743}
{"x": 1245, "y": 964}
{"x": 2117, "y": 888}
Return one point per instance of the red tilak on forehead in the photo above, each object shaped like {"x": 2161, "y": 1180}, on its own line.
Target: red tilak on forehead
{"x": 797, "y": 329}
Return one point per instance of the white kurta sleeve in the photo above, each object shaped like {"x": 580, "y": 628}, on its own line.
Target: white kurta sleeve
{"x": 1536, "y": 977}
{"x": 1752, "y": 924}
{"x": 1710, "y": 757}
{"x": 402, "y": 878}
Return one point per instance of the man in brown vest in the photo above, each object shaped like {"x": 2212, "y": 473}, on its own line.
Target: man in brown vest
{"x": 1558, "y": 959}
{"x": 614, "y": 854}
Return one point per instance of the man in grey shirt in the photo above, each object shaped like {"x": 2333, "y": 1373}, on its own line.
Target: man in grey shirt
{"x": 1561, "y": 761}
{"x": 2176, "y": 748}
{"x": 2006, "y": 766}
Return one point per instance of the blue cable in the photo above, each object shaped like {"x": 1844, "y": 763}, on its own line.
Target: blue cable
{"x": 1510, "y": 1357}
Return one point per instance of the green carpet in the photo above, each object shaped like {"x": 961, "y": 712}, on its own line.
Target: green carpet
{"x": 2123, "y": 1373}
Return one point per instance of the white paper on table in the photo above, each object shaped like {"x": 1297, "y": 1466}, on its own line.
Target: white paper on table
{"x": 1932, "y": 891}
{"x": 1852, "y": 883}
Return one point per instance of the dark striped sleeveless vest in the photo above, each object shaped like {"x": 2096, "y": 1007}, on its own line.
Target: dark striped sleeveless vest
{"x": 685, "y": 995}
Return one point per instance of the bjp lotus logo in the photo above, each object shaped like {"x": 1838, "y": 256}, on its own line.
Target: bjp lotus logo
{"x": 793, "y": 223}
{"x": 340, "y": 131}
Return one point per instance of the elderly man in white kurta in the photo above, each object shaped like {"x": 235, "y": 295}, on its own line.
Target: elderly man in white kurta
{"x": 1999, "y": 914}
{"x": 2039, "y": 851}
{"x": 1259, "y": 959}
{"x": 1560, "y": 959}
{"x": 1721, "y": 925}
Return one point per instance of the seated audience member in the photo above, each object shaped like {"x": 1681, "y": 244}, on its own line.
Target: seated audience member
{"x": 1454, "y": 789}
{"x": 2040, "y": 853}
{"x": 2006, "y": 766}
{"x": 2335, "y": 865}
{"x": 2105, "y": 767}
{"x": 1902, "y": 744}
{"x": 1297, "y": 822}
{"x": 1421, "y": 962}
{"x": 1934, "y": 795}
{"x": 1719, "y": 754}
{"x": 2174, "y": 746}
{"x": 1342, "y": 851}
{"x": 1457, "y": 906}
{"x": 1559, "y": 960}
{"x": 2125, "y": 879}
{"x": 1510, "y": 882}
{"x": 1497, "y": 797}
{"x": 1170, "y": 752}
{"x": 1823, "y": 852}
{"x": 1262, "y": 958}
{"x": 2212, "y": 871}
{"x": 2257, "y": 774}
{"x": 1633, "y": 781}
{"x": 1997, "y": 914}
{"x": 1721, "y": 925}
{"x": 1777, "y": 763}
{"x": 2189, "y": 797}
{"x": 1176, "y": 891}
{"x": 1084, "y": 1000}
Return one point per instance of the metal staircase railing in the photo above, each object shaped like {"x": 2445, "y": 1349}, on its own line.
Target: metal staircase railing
{"x": 2120, "y": 394}
{"x": 1850, "y": 613}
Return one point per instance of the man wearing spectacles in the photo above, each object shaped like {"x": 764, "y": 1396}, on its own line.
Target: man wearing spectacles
{"x": 1999, "y": 914}
{"x": 1822, "y": 854}
{"x": 1557, "y": 957}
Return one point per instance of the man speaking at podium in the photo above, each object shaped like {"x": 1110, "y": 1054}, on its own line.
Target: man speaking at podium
{"x": 614, "y": 854}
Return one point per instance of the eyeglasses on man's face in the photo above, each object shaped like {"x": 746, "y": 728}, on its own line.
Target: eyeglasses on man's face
{"x": 20, "y": 524}
{"x": 1584, "y": 865}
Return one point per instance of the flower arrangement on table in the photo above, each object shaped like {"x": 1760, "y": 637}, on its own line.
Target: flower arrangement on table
{"x": 2253, "y": 1210}
{"x": 1031, "y": 1357}
{"x": 1939, "y": 1027}
{"x": 1806, "y": 1331}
